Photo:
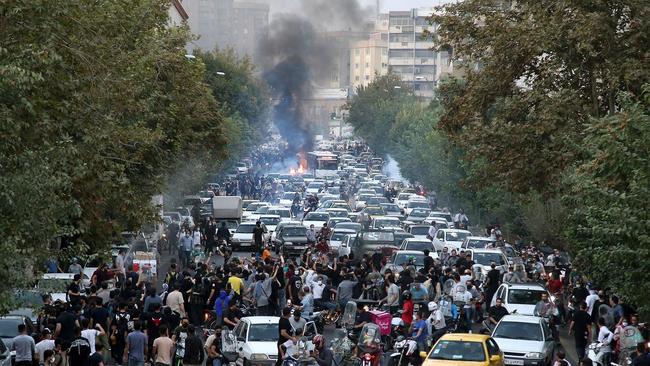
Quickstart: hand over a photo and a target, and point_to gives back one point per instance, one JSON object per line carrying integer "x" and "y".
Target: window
{"x": 367, "y": 64}
{"x": 367, "y": 51}
{"x": 367, "y": 77}
{"x": 356, "y": 78}
{"x": 493, "y": 347}
{"x": 356, "y": 52}
{"x": 356, "y": 65}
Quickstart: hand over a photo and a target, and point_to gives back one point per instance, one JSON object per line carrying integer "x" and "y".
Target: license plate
{"x": 244, "y": 244}
{"x": 511, "y": 361}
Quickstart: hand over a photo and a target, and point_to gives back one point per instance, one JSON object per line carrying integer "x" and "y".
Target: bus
{"x": 322, "y": 163}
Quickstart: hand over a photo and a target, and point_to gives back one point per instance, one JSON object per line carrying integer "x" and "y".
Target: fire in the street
{"x": 295, "y": 171}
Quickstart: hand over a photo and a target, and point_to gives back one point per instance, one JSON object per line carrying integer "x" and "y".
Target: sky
{"x": 283, "y": 6}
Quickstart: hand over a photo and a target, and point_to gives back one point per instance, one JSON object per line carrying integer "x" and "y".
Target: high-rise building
{"x": 409, "y": 54}
{"x": 368, "y": 59}
{"x": 338, "y": 75}
{"x": 228, "y": 24}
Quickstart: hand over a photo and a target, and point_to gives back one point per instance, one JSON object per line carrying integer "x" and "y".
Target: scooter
{"x": 406, "y": 353}
{"x": 595, "y": 353}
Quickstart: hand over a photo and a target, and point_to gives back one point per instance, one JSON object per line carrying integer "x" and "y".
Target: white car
{"x": 418, "y": 244}
{"x": 270, "y": 222}
{"x": 385, "y": 222}
{"x": 251, "y": 208}
{"x": 521, "y": 297}
{"x": 283, "y": 212}
{"x": 476, "y": 242}
{"x": 243, "y": 236}
{"x": 485, "y": 258}
{"x": 55, "y": 284}
{"x": 415, "y": 203}
{"x": 402, "y": 257}
{"x": 524, "y": 340}
{"x": 443, "y": 215}
{"x": 420, "y": 231}
{"x": 261, "y": 210}
{"x": 403, "y": 199}
{"x": 315, "y": 218}
{"x": 315, "y": 186}
{"x": 337, "y": 238}
{"x": 450, "y": 238}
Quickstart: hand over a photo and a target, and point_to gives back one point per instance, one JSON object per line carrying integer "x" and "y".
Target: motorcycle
{"x": 406, "y": 353}
{"x": 369, "y": 348}
{"x": 595, "y": 354}
{"x": 300, "y": 356}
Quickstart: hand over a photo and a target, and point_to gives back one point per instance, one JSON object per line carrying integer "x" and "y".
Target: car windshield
{"x": 516, "y": 330}
{"x": 263, "y": 333}
{"x": 526, "y": 297}
{"x": 458, "y": 351}
{"x": 419, "y": 245}
{"x": 477, "y": 244}
{"x": 289, "y": 195}
{"x": 294, "y": 231}
{"x": 386, "y": 223}
{"x": 403, "y": 196}
{"x": 254, "y": 206}
{"x": 485, "y": 259}
{"x": 349, "y": 225}
{"x": 9, "y": 327}
{"x": 53, "y": 285}
{"x": 378, "y": 236}
{"x": 373, "y": 211}
{"x": 419, "y": 212}
{"x": 246, "y": 229}
{"x": 341, "y": 205}
{"x": 335, "y": 213}
{"x": 262, "y": 210}
{"x": 377, "y": 200}
{"x": 418, "y": 204}
{"x": 456, "y": 236}
{"x": 281, "y": 213}
{"x": 338, "y": 236}
{"x": 231, "y": 224}
{"x": 314, "y": 216}
{"x": 270, "y": 220}
{"x": 315, "y": 185}
{"x": 402, "y": 258}
{"x": 420, "y": 230}
{"x": 364, "y": 197}
{"x": 390, "y": 207}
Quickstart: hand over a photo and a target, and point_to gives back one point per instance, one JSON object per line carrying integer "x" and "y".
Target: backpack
{"x": 170, "y": 278}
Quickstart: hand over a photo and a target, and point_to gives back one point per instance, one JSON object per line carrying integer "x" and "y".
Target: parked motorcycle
{"x": 406, "y": 353}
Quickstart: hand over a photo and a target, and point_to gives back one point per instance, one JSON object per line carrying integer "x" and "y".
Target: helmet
{"x": 433, "y": 306}
{"x": 406, "y": 295}
{"x": 318, "y": 341}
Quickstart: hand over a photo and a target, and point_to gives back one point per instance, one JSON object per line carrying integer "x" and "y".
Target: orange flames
{"x": 302, "y": 164}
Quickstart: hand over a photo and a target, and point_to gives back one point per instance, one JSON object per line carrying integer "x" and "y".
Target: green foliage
{"x": 97, "y": 104}
{"x": 545, "y": 69}
{"x": 609, "y": 197}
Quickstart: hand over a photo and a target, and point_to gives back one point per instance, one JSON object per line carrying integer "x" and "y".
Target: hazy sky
{"x": 284, "y": 6}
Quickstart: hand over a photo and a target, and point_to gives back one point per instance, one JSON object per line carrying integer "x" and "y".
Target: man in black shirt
{"x": 492, "y": 283}
{"x": 74, "y": 290}
{"x": 284, "y": 333}
{"x": 428, "y": 261}
{"x": 232, "y": 315}
{"x": 65, "y": 325}
{"x": 497, "y": 312}
{"x": 581, "y": 328}
{"x": 79, "y": 351}
{"x": 258, "y": 236}
{"x": 363, "y": 317}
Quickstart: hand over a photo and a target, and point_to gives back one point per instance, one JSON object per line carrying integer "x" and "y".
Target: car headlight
{"x": 259, "y": 357}
{"x": 533, "y": 355}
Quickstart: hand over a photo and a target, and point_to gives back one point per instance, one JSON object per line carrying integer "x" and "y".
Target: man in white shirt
{"x": 392, "y": 295}
{"x": 605, "y": 337}
{"x": 175, "y": 300}
{"x": 591, "y": 300}
{"x": 91, "y": 334}
{"x": 432, "y": 231}
{"x": 436, "y": 322}
{"x": 46, "y": 343}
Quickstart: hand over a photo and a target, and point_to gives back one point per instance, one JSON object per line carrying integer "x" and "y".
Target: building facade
{"x": 177, "y": 13}
{"x": 368, "y": 59}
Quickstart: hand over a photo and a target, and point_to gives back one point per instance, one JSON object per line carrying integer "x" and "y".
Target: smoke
{"x": 297, "y": 54}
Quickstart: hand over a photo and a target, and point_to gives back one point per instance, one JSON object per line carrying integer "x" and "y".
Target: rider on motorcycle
{"x": 322, "y": 354}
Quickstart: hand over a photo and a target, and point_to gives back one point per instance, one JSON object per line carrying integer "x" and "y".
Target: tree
{"x": 98, "y": 103}
{"x": 536, "y": 73}
{"x": 608, "y": 200}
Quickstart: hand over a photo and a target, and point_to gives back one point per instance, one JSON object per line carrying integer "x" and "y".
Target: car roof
{"x": 419, "y": 240}
{"x": 518, "y": 318}
{"x": 58, "y": 276}
{"x": 248, "y": 223}
{"x": 343, "y": 231}
{"x": 409, "y": 252}
{"x": 525, "y": 286}
{"x": 262, "y": 319}
{"x": 481, "y": 238}
{"x": 483, "y": 250}
{"x": 455, "y": 231}
{"x": 464, "y": 337}
{"x": 391, "y": 218}
{"x": 269, "y": 216}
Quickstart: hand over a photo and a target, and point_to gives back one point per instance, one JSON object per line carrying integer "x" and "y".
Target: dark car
{"x": 291, "y": 239}
{"x": 369, "y": 241}
{"x": 9, "y": 327}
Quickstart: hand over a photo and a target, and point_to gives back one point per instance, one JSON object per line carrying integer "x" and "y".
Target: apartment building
{"x": 368, "y": 59}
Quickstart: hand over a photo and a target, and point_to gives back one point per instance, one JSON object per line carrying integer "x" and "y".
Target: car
{"x": 373, "y": 211}
{"x": 29, "y": 303}
{"x": 255, "y": 340}
{"x": 5, "y": 356}
{"x": 485, "y": 258}
{"x": 417, "y": 215}
{"x": 56, "y": 285}
{"x": 315, "y": 218}
{"x": 87, "y": 275}
{"x": 400, "y": 235}
{"x": 415, "y": 203}
{"x": 342, "y": 205}
{"x": 331, "y": 204}
{"x": 346, "y": 245}
{"x": 283, "y": 212}
{"x": 206, "y": 196}
{"x": 176, "y": 216}
{"x": 281, "y": 225}
{"x": 287, "y": 199}
{"x": 270, "y": 222}
{"x": 9, "y": 328}
{"x": 402, "y": 257}
{"x": 243, "y": 236}
{"x": 460, "y": 349}
{"x": 521, "y": 297}
{"x": 355, "y": 226}
{"x": 443, "y": 214}
{"x": 418, "y": 244}
{"x": 361, "y": 199}
{"x": 419, "y": 231}
{"x": 385, "y": 222}
{"x": 252, "y": 209}
{"x": 440, "y": 222}
{"x": 392, "y": 209}
{"x": 450, "y": 238}
{"x": 333, "y": 221}
{"x": 376, "y": 200}
{"x": 403, "y": 199}
{"x": 337, "y": 237}
{"x": 478, "y": 242}
{"x": 525, "y": 340}
{"x": 292, "y": 239}
{"x": 315, "y": 186}
{"x": 337, "y": 212}
{"x": 261, "y": 210}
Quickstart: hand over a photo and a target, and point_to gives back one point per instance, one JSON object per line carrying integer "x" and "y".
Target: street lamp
{"x": 190, "y": 57}
{"x": 221, "y": 73}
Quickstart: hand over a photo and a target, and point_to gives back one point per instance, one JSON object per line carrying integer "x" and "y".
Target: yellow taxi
{"x": 462, "y": 349}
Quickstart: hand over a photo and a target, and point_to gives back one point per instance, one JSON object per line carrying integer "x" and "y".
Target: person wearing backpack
{"x": 155, "y": 320}
{"x": 119, "y": 332}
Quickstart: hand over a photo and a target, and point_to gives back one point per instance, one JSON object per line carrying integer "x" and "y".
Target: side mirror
{"x": 495, "y": 358}
{"x": 423, "y": 355}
